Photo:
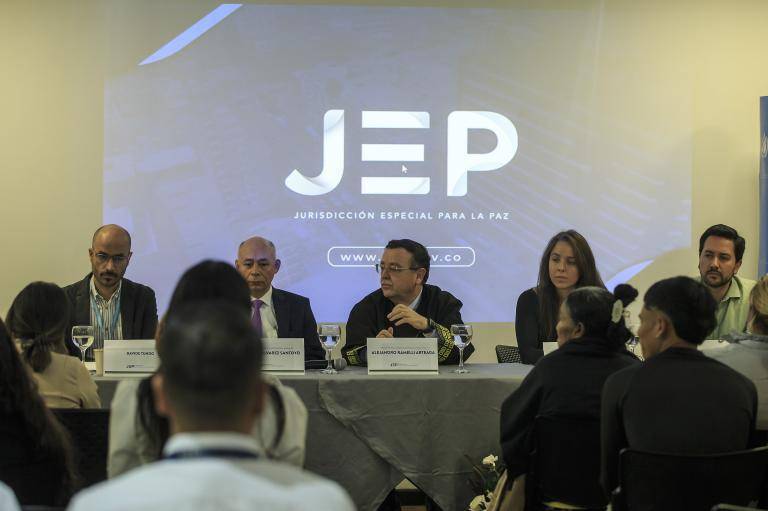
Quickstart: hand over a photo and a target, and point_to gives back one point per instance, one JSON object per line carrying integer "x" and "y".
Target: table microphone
{"x": 337, "y": 363}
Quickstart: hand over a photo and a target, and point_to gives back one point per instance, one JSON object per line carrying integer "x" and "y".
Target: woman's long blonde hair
{"x": 758, "y": 302}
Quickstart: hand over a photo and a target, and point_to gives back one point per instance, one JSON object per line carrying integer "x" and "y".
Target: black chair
{"x": 89, "y": 431}
{"x": 508, "y": 354}
{"x": 565, "y": 465}
{"x": 659, "y": 482}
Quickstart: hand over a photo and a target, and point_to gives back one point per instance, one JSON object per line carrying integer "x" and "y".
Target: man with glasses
{"x": 404, "y": 306}
{"x": 116, "y": 307}
{"x": 275, "y": 313}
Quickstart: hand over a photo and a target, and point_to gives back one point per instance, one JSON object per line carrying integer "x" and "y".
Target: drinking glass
{"x": 462, "y": 334}
{"x": 82, "y": 336}
{"x": 329, "y": 338}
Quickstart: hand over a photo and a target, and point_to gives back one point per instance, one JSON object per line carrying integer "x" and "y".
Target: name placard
{"x": 130, "y": 356}
{"x": 283, "y": 356}
{"x": 402, "y": 356}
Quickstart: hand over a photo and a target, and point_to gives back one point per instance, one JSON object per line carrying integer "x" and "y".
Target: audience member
{"x": 37, "y": 320}
{"x": 591, "y": 335}
{"x": 748, "y": 353}
{"x": 404, "y": 306}
{"x": 720, "y": 253}
{"x": 567, "y": 264}
{"x": 35, "y": 453}
{"x": 276, "y": 313}
{"x": 679, "y": 401}
{"x": 137, "y": 433}
{"x": 209, "y": 388}
{"x": 116, "y": 307}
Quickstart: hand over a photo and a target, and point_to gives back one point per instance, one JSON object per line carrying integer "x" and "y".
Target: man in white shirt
{"x": 209, "y": 387}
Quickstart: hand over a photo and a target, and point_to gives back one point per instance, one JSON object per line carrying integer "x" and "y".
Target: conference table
{"x": 368, "y": 433}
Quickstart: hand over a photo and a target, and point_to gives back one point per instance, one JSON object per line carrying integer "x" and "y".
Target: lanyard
{"x": 100, "y": 320}
{"x": 212, "y": 453}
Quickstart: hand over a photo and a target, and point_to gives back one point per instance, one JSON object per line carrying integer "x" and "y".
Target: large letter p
{"x": 460, "y": 161}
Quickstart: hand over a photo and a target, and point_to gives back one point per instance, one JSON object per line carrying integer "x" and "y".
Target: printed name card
{"x": 402, "y": 356}
{"x": 283, "y": 356}
{"x": 130, "y": 356}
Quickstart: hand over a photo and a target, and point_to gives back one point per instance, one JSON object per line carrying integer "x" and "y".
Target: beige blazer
{"x": 66, "y": 383}
{"x": 131, "y": 447}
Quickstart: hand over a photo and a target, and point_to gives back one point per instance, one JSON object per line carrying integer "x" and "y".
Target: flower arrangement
{"x": 483, "y": 481}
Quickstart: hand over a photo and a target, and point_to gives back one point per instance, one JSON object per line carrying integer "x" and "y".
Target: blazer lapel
{"x": 82, "y": 303}
{"x": 282, "y": 312}
{"x": 127, "y": 308}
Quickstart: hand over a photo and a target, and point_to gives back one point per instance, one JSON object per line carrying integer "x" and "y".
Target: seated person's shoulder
{"x": 294, "y": 297}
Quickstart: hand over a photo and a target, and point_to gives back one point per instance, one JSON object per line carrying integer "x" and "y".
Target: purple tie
{"x": 256, "y": 317}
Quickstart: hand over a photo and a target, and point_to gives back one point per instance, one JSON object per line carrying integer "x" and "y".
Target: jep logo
{"x": 460, "y": 161}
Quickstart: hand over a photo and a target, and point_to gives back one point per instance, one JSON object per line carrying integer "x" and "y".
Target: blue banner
{"x": 762, "y": 265}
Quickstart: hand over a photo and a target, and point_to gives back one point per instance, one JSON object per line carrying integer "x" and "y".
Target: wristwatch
{"x": 430, "y": 326}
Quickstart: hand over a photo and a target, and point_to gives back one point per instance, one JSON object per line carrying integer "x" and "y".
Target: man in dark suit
{"x": 116, "y": 307}
{"x": 276, "y": 313}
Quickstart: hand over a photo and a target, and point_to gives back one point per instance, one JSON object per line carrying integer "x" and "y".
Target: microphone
{"x": 337, "y": 363}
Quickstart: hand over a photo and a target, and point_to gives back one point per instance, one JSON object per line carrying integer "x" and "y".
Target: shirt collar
{"x": 184, "y": 442}
{"x": 95, "y": 293}
{"x": 416, "y": 301}
{"x": 266, "y": 298}
{"x": 734, "y": 291}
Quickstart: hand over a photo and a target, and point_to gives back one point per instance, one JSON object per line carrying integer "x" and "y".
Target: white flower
{"x": 490, "y": 461}
{"x": 477, "y": 504}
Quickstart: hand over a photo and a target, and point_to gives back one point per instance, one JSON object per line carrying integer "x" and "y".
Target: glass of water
{"x": 462, "y": 334}
{"x": 82, "y": 336}
{"x": 329, "y": 338}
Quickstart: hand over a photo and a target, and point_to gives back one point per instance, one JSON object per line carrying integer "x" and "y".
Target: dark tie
{"x": 256, "y": 317}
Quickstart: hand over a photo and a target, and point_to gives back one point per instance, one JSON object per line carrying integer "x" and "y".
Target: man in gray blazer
{"x": 116, "y": 307}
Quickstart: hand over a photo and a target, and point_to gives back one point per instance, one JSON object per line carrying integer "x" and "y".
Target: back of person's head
{"x": 594, "y": 308}
{"x": 727, "y": 232}
{"x": 211, "y": 360}
{"x": 205, "y": 281}
{"x": 210, "y": 280}
{"x": 417, "y": 251}
{"x": 758, "y": 301}
{"x": 20, "y": 401}
{"x": 38, "y": 319}
{"x": 687, "y": 303}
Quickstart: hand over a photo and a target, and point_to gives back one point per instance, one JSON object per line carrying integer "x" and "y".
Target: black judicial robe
{"x": 569, "y": 382}
{"x": 369, "y": 317}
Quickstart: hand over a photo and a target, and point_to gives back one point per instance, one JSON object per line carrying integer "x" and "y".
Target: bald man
{"x": 280, "y": 313}
{"x": 116, "y": 307}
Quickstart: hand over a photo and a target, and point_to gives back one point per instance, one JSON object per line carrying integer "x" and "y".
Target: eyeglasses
{"x": 392, "y": 268}
{"x": 103, "y": 258}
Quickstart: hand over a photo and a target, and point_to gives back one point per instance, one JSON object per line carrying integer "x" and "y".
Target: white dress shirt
{"x": 268, "y": 317}
{"x": 214, "y": 483}
{"x": 8, "y": 500}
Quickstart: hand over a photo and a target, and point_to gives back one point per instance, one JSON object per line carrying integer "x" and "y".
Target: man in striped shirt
{"x": 116, "y": 307}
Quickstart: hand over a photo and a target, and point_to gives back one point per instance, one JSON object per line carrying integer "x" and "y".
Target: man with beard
{"x": 720, "y": 252}
{"x": 116, "y": 307}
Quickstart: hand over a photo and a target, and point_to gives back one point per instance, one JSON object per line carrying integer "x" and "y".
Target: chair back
{"x": 508, "y": 354}
{"x": 89, "y": 431}
{"x": 565, "y": 465}
{"x": 656, "y": 481}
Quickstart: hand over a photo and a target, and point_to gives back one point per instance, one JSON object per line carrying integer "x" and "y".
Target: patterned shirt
{"x": 105, "y": 317}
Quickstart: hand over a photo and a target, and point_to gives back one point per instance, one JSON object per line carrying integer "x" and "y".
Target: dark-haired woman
{"x": 35, "y": 457}
{"x": 137, "y": 433}
{"x": 567, "y": 264}
{"x": 591, "y": 334}
{"x": 37, "y": 321}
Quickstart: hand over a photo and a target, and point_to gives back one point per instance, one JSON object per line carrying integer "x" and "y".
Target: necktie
{"x": 256, "y": 317}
